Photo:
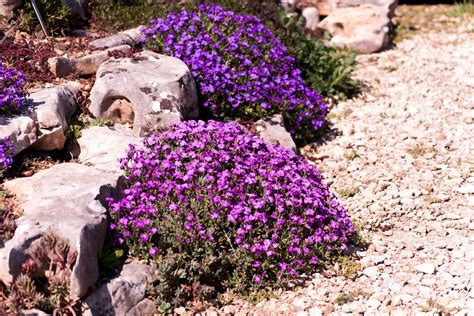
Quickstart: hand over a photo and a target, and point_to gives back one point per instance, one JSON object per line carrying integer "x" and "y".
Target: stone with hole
{"x": 159, "y": 89}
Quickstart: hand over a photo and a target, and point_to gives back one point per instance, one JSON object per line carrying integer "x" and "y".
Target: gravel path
{"x": 403, "y": 164}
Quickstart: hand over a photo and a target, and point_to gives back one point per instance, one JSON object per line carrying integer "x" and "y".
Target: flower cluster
{"x": 12, "y": 91}
{"x": 214, "y": 187}
{"x": 6, "y": 154}
{"x": 242, "y": 69}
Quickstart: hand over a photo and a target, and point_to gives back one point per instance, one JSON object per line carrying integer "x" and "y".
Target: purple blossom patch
{"x": 6, "y": 154}
{"x": 216, "y": 186}
{"x": 12, "y": 91}
{"x": 241, "y": 68}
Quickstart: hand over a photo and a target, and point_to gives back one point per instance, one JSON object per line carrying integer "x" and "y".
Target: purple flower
{"x": 7, "y": 149}
{"x": 236, "y": 205}
{"x": 240, "y": 66}
{"x": 12, "y": 90}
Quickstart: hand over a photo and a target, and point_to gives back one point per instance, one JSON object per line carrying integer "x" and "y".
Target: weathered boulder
{"x": 363, "y": 29}
{"x": 129, "y": 37}
{"x": 160, "y": 89}
{"x": 326, "y": 7}
{"x": 358, "y": 25}
{"x": 67, "y": 199}
{"x": 273, "y": 131}
{"x": 123, "y": 294}
{"x": 52, "y": 107}
{"x": 43, "y": 123}
{"x": 101, "y": 147}
{"x": 311, "y": 16}
{"x": 87, "y": 65}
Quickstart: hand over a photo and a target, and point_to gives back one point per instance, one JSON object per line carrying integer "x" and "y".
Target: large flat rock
{"x": 101, "y": 147}
{"x": 68, "y": 199}
{"x": 363, "y": 29}
{"x": 44, "y": 121}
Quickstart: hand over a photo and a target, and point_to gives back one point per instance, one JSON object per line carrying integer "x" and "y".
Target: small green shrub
{"x": 324, "y": 68}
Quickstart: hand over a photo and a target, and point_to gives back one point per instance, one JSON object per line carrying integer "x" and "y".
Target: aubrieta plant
{"x": 214, "y": 193}
{"x": 242, "y": 69}
{"x": 6, "y": 154}
{"x": 12, "y": 91}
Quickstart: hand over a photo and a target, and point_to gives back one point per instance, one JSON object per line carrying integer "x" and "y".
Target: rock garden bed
{"x": 228, "y": 162}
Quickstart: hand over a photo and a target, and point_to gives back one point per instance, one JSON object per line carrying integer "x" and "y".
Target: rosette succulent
{"x": 213, "y": 190}
{"x": 241, "y": 68}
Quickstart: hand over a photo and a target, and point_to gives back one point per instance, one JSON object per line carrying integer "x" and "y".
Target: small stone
{"x": 467, "y": 189}
{"x": 373, "y": 303}
{"x": 457, "y": 269}
{"x": 316, "y": 311}
{"x": 371, "y": 272}
{"x": 427, "y": 268}
{"x": 229, "y": 310}
{"x": 406, "y": 254}
{"x": 299, "y": 302}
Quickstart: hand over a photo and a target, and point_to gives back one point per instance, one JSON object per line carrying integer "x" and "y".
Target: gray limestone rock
{"x": 44, "y": 121}
{"x": 101, "y": 147}
{"x": 273, "y": 131}
{"x": 69, "y": 200}
{"x": 123, "y": 294}
{"x": 160, "y": 88}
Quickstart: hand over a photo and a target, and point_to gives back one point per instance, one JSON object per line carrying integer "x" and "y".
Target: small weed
{"x": 344, "y": 298}
{"x": 81, "y": 121}
{"x": 390, "y": 68}
{"x": 461, "y": 9}
{"x": 432, "y": 199}
{"x": 347, "y": 267}
{"x": 260, "y": 295}
{"x": 351, "y": 155}
{"x": 433, "y": 306}
{"x": 419, "y": 150}
{"x": 348, "y": 192}
{"x": 402, "y": 32}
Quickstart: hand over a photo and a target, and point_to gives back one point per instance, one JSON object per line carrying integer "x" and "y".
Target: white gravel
{"x": 405, "y": 150}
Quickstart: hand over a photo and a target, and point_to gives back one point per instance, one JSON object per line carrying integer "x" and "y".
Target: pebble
{"x": 428, "y": 268}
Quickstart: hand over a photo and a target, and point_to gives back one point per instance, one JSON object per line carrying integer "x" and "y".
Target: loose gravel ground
{"x": 402, "y": 161}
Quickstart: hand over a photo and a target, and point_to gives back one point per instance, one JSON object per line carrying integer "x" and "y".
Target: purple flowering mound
{"x": 12, "y": 91}
{"x": 241, "y": 68}
{"x": 212, "y": 196}
{"x": 6, "y": 154}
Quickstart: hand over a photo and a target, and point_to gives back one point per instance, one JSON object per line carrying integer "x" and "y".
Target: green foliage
{"x": 81, "y": 121}
{"x": 461, "y": 9}
{"x": 110, "y": 258}
{"x": 325, "y": 68}
{"x": 344, "y": 298}
{"x": 56, "y": 14}
{"x": 185, "y": 280}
